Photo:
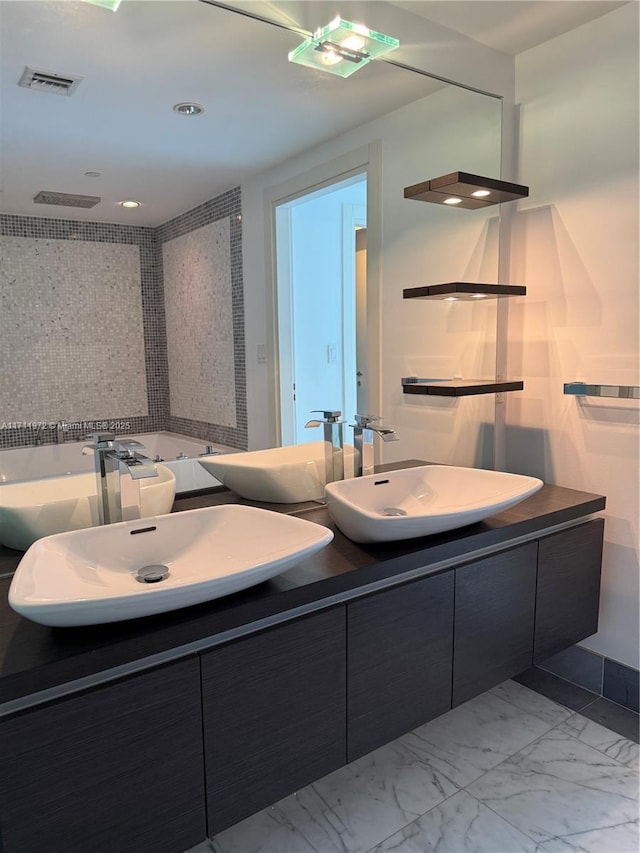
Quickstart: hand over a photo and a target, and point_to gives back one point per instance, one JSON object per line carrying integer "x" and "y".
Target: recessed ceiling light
{"x": 481, "y": 193}
{"x": 93, "y": 174}
{"x": 129, "y": 203}
{"x": 188, "y": 109}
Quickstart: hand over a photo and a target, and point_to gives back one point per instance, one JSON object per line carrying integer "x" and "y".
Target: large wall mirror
{"x": 124, "y": 316}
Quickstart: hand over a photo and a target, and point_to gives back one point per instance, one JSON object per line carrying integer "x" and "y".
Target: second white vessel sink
{"x": 423, "y": 500}
{"x": 290, "y": 474}
{"x": 151, "y": 565}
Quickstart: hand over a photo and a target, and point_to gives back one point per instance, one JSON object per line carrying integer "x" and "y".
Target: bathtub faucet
{"x": 118, "y": 497}
{"x": 363, "y": 432}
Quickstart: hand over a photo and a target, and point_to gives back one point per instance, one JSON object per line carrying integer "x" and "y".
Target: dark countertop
{"x": 35, "y": 658}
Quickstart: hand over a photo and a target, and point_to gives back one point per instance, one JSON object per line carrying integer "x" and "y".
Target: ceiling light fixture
{"x": 471, "y": 191}
{"x": 342, "y": 47}
{"x": 188, "y": 109}
{"x": 106, "y": 4}
{"x": 130, "y": 203}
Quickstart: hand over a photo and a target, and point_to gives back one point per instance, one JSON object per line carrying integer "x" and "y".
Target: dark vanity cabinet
{"x": 494, "y": 616}
{"x": 115, "y": 768}
{"x": 155, "y": 762}
{"x": 399, "y": 646}
{"x": 274, "y": 714}
{"x": 568, "y": 595}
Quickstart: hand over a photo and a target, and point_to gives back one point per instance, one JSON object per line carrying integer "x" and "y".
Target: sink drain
{"x": 152, "y": 574}
{"x": 394, "y": 510}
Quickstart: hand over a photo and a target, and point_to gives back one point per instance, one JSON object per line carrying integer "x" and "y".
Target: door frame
{"x": 364, "y": 160}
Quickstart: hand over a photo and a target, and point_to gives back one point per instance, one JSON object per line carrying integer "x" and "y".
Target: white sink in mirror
{"x": 421, "y": 501}
{"x": 137, "y": 568}
{"x": 32, "y": 509}
{"x": 289, "y": 474}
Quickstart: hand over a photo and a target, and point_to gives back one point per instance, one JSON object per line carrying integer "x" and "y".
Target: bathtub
{"x": 52, "y": 488}
{"x": 179, "y": 453}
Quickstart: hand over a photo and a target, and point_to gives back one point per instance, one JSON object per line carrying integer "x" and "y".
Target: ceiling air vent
{"x": 66, "y": 199}
{"x": 49, "y": 81}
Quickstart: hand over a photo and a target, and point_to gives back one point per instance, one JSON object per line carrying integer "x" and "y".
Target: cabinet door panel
{"x": 494, "y": 613}
{"x": 274, "y": 714}
{"x": 569, "y": 566}
{"x": 399, "y": 661}
{"x": 117, "y": 768}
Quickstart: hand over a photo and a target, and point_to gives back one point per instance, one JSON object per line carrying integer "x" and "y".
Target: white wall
{"x": 575, "y": 247}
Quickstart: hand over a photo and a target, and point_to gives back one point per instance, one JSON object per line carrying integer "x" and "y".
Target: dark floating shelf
{"x": 458, "y": 387}
{"x": 461, "y": 186}
{"x": 463, "y": 290}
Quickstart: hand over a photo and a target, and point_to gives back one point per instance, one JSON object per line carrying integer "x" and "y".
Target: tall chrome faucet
{"x": 333, "y": 443}
{"x": 114, "y": 458}
{"x": 363, "y": 432}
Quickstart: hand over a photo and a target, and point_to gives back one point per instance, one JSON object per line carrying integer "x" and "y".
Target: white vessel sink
{"x": 279, "y": 475}
{"x": 421, "y": 501}
{"x": 87, "y": 577}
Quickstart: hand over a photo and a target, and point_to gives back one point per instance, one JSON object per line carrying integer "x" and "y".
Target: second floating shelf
{"x": 458, "y": 387}
{"x": 463, "y": 290}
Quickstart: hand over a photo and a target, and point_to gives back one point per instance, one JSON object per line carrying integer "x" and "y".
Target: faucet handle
{"x": 329, "y": 416}
{"x": 127, "y": 446}
{"x": 365, "y": 420}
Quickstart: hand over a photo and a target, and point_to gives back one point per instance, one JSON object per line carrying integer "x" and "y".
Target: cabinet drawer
{"x": 494, "y": 615}
{"x": 118, "y": 768}
{"x": 568, "y": 597}
{"x": 399, "y": 661}
{"x": 274, "y": 707}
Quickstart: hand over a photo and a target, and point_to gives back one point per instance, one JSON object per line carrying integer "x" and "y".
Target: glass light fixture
{"x": 106, "y": 4}
{"x": 342, "y": 47}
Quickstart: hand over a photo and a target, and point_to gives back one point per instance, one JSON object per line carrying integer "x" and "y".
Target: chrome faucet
{"x": 363, "y": 432}
{"x": 333, "y": 443}
{"x": 114, "y": 458}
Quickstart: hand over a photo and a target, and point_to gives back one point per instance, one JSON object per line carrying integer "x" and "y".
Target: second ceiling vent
{"x": 49, "y": 81}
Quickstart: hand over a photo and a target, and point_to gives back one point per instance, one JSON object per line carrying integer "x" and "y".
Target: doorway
{"x": 321, "y": 304}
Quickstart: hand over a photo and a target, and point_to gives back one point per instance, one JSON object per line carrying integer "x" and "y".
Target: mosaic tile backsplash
{"x": 72, "y": 330}
{"x": 199, "y": 323}
{"x": 82, "y": 317}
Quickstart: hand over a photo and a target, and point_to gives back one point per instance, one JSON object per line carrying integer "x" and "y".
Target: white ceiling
{"x": 510, "y": 26}
{"x": 151, "y": 54}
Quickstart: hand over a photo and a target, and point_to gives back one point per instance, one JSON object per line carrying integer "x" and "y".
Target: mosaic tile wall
{"x": 79, "y": 343}
{"x": 227, "y": 374}
{"x": 197, "y": 298}
{"x": 205, "y": 275}
{"x": 70, "y": 309}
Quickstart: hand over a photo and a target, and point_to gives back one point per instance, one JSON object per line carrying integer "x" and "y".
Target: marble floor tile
{"x": 587, "y": 731}
{"x": 459, "y": 824}
{"x": 559, "y": 786}
{"x": 475, "y": 737}
{"x": 622, "y": 838}
{"x": 348, "y": 811}
{"x": 531, "y": 702}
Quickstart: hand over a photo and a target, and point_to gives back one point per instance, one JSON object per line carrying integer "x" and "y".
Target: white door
{"x": 318, "y": 350}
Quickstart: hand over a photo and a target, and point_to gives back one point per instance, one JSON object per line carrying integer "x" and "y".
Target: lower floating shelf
{"x": 458, "y": 387}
